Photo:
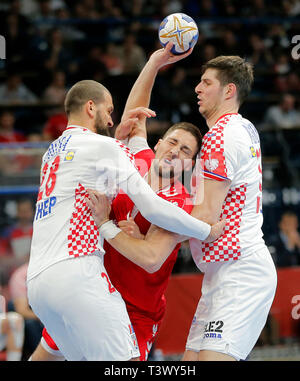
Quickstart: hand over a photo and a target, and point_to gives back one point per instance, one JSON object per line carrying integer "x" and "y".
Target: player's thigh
{"x": 206, "y": 356}
{"x": 83, "y": 313}
{"x": 235, "y": 302}
{"x": 190, "y": 356}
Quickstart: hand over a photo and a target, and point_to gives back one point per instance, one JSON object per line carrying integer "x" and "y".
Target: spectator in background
{"x": 57, "y": 120}
{"x": 70, "y": 32}
{"x": 44, "y": 13}
{"x": 230, "y": 45}
{"x": 19, "y": 304}
{"x": 55, "y": 126}
{"x": 176, "y": 97}
{"x": 17, "y": 238}
{"x": 289, "y": 83}
{"x": 287, "y": 242}
{"x": 55, "y": 92}
{"x": 17, "y": 30}
{"x": 283, "y": 115}
{"x": 132, "y": 55}
{"x": 57, "y": 56}
{"x": 8, "y": 134}
{"x": 92, "y": 65}
{"x": 14, "y": 91}
{"x": 111, "y": 60}
{"x": 11, "y": 332}
{"x": 259, "y": 55}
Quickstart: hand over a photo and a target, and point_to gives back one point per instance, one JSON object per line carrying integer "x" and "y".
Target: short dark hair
{"x": 233, "y": 69}
{"x": 82, "y": 92}
{"x": 189, "y": 127}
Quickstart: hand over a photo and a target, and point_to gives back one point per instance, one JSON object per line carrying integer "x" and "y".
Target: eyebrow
{"x": 183, "y": 147}
{"x": 206, "y": 80}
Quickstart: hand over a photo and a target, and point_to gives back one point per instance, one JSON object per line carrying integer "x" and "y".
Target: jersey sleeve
{"x": 143, "y": 160}
{"x": 218, "y": 156}
{"x": 138, "y": 144}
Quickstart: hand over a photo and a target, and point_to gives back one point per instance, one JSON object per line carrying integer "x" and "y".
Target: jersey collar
{"x": 73, "y": 126}
{"x": 223, "y": 116}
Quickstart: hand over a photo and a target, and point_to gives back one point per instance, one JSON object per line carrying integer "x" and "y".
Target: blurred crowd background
{"x": 51, "y": 44}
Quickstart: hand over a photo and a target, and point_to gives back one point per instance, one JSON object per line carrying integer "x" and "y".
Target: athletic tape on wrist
{"x": 109, "y": 230}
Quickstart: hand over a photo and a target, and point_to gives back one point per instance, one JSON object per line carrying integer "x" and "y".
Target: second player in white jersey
{"x": 231, "y": 151}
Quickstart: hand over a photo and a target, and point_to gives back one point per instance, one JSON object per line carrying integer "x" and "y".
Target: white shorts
{"x": 83, "y": 313}
{"x": 234, "y": 305}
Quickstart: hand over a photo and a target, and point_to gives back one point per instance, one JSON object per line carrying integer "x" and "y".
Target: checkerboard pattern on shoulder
{"x": 127, "y": 151}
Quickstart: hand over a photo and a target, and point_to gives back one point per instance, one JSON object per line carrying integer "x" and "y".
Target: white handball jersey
{"x": 231, "y": 151}
{"x": 63, "y": 226}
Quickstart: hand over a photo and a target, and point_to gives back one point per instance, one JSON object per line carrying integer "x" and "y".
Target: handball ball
{"x": 179, "y": 29}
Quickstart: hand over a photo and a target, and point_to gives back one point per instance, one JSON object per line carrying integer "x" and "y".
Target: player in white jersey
{"x": 68, "y": 287}
{"x": 239, "y": 275}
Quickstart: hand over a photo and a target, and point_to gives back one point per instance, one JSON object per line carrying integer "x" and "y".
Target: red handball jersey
{"x": 142, "y": 291}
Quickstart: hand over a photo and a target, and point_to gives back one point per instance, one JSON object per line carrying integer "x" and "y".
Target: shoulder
{"x": 240, "y": 131}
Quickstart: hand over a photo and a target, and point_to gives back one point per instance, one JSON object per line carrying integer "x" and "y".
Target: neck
{"x": 211, "y": 119}
{"x": 80, "y": 122}
{"x": 156, "y": 182}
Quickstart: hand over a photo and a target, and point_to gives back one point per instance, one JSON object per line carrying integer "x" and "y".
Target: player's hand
{"x": 133, "y": 120}
{"x": 99, "y": 205}
{"x": 216, "y": 231}
{"x": 130, "y": 227}
{"x": 164, "y": 56}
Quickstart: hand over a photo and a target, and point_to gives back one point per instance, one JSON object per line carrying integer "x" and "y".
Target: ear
{"x": 90, "y": 108}
{"x": 230, "y": 90}
{"x": 157, "y": 145}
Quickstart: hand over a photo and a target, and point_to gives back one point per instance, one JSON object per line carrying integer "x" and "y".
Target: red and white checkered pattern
{"x": 227, "y": 247}
{"x": 213, "y": 148}
{"x": 83, "y": 233}
{"x": 127, "y": 151}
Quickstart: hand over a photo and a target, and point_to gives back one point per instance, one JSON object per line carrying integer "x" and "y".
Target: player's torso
{"x": 231, "y": 150}
{"x": 139, "y": 289}
{"x": 63, "y": 226}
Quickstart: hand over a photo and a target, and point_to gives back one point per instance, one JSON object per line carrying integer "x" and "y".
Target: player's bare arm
{"x": 210, "y": 207}
{"x": 140, "y": 93}
{"x": 152, "y": 251}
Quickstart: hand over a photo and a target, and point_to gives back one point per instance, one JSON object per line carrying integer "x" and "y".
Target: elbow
{"x": 153, "y": 263}
{"x": 151, "y": 269}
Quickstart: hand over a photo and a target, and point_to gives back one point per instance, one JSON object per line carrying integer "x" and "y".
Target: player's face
{"x": 210, "y": 93}
{"x": 103, "y": 120}
{"x": 174, "y": 153}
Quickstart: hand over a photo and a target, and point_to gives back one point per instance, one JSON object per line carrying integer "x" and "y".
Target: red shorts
{"x": 145, "y": 329}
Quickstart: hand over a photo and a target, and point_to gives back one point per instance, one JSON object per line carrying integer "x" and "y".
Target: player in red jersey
{"x": 143, "y": 289}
